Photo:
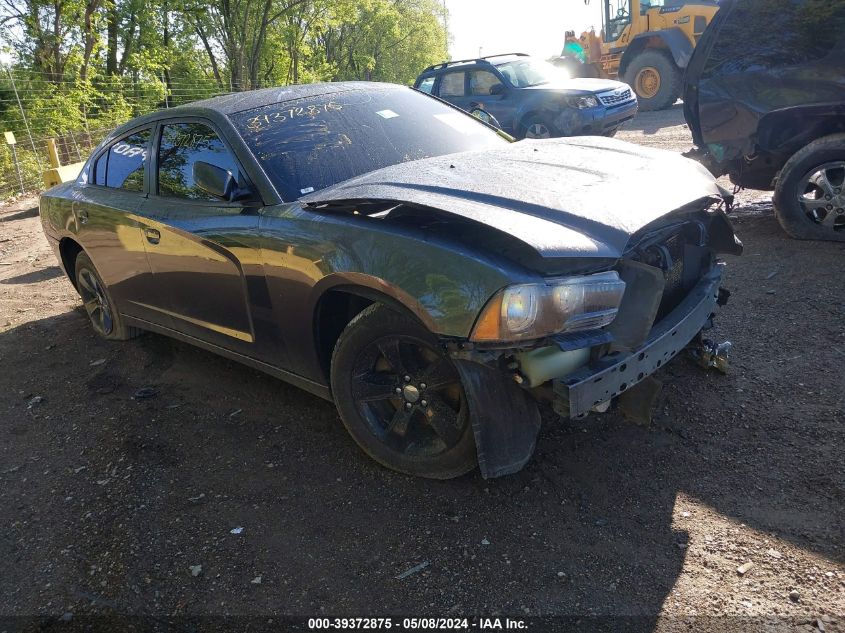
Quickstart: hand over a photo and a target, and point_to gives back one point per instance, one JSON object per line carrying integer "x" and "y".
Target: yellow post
{"x": 53, "y": 151}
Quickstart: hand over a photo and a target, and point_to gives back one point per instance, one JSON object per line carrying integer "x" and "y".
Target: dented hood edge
{"x": 563, "y": 198}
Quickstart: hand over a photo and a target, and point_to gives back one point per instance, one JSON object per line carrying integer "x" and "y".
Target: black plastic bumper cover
{"x": 505, "y": 419}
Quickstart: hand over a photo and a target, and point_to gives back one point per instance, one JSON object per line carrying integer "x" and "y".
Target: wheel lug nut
{"x": 408, "y": 405}
{"x": 423, "y": 403}
{"x": 422, "y": 385}
{"x": 407, "y": 379}
{"x": 398, "y": 390}
{"x": 828, "y": 197}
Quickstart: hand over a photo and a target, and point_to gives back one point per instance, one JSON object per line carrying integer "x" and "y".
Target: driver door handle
{"x": 152, "y": 235}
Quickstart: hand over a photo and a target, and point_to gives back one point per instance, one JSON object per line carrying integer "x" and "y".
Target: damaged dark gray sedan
{"x": 386, "y": 251}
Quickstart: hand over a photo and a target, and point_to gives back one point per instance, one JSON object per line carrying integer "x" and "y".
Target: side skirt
{"x": 310, "y": 386}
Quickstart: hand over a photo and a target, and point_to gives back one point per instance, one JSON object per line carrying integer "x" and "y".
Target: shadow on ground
{"x": 19, "y": 215}
{"x": 41, "y": 274}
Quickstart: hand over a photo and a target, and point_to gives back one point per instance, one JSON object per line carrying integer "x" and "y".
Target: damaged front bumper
{"x": 501, "y": 396}
{"x": 596, "y": 120}
{"x": 575, "y": 395}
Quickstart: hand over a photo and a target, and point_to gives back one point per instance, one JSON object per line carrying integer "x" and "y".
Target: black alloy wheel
{"x": 98, "y": 304}
{"x": 400, "y": 396}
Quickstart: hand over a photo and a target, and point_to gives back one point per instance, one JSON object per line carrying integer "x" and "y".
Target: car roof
{"x": 507, "y": 58}
{"x": 458, "y": 63}
{"x": 239, "y": 101}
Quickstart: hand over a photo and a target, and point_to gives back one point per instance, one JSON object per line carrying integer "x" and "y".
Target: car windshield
{"x": 315, "y": 142}
{"x": 525, "y": 72}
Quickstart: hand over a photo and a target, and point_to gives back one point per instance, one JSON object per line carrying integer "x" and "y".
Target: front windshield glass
{"x": 526, "y": 72}
{"x": 315, "y": 142}
{"x": 619, "y": 17}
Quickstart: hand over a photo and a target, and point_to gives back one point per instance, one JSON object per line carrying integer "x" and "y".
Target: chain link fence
{"x": 78, "y": 115}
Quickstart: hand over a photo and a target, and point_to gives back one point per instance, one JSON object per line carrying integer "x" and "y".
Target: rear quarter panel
{"x": 56, "y": 212}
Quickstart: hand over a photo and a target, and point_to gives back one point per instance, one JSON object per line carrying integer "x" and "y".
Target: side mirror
{"x": 215, "y": 180}
{"x": 497, "y": 89}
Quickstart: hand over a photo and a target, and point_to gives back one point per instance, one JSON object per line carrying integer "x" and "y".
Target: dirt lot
{"x": 108, "y": 500}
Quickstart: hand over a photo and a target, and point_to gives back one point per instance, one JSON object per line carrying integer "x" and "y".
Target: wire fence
{"x": 36, "y": 108}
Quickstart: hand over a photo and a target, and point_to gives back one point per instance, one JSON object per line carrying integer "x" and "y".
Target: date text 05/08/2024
{"x": 417, "y": 624}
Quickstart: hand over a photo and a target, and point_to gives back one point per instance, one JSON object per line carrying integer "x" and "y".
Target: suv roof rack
{"x": 473, "y": 59}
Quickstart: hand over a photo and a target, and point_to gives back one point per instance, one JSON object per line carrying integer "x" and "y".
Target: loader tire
{"x": 655, "y": 78}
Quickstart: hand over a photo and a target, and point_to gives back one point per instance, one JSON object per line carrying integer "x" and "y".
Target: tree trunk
{"x": 112, "y": 19}
{"x": 214, "y": 67}
{"x": 89, "y": 38}
{"x": 128, "y": 43}
{"x": 166, "y": 41}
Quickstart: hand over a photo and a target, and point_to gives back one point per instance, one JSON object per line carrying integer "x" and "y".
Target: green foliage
{"x": 85, "y": 66}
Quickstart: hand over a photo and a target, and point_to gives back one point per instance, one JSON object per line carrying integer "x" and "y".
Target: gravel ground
{"x": 115, "y": 504}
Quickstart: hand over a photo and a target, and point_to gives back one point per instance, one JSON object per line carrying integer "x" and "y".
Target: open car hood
{"x": 572, "y": 197}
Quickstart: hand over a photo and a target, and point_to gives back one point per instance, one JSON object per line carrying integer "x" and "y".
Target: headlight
{"x": 529, "y": 311}
{"x": 584, "y": 102}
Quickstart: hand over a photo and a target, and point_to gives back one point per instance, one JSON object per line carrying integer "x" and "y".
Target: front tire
{"x": 98, "y": 303}
{"x": 400, "y": 396}
{"x": 809, "y": 196}
{"x": 538, "y": 126}
{"x": 655, "y": 78}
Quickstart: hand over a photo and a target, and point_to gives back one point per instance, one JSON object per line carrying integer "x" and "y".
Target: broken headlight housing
{"x": 582, "y": 103}
{"x": 530, "y": 311}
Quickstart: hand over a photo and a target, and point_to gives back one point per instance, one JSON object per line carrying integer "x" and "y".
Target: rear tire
{"x": 98, "y": 303}
{"x": 655, "y": 78}
{"x": 419, "y": 425}
{"x": 800, "y": 198}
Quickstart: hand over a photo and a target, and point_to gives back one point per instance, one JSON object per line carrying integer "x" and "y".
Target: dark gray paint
{"x": 768, "y": 95}
{"x": 577, "y": 197}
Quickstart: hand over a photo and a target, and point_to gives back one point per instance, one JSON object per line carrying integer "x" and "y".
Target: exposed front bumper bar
{"x": 576, "y": 394}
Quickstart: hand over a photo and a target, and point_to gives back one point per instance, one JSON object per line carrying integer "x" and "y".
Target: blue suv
{"x": 531, "y": 98}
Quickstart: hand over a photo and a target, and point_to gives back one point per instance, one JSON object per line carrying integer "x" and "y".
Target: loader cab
{"x": 616, "y": 16}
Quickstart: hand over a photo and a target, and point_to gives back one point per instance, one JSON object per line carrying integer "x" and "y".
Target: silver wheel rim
{"x": 821, "y": 194}
{"x": 95, "y": 302}
{"x": 538, "y": 130}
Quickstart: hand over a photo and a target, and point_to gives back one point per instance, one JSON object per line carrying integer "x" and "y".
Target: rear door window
{"x": 123, "y": 165}
{"x": 453, "y": 84}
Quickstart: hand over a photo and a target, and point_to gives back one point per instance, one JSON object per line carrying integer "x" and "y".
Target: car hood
{"x": 572, "y": 197}
{"x": 580, "y": 85}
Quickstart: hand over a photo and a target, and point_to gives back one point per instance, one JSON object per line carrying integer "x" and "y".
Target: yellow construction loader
{"x": 645, "y": 43}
